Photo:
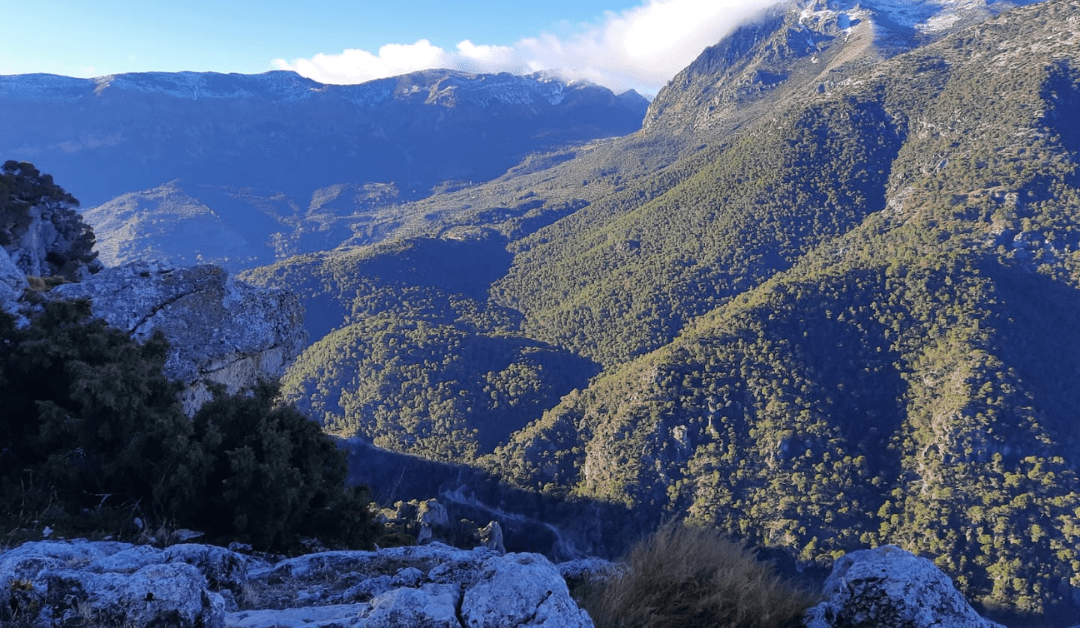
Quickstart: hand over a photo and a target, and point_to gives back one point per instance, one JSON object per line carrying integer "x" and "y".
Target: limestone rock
{"x": 432, "y": 586}
{"x": 220, "y": 330}
{"x": 521, "y": 590}
{"x": 587, "y": 569}
{"x": 430, "y": 606}
{"x": 12, "y": 282}
{"x": 491, "y": 536}
{"x": 891, "y": 588}
{"x": 55, "y": 241}
{"x": 54, "y": 584}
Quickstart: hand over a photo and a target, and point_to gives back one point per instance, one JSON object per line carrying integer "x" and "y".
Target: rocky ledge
{"x": 90, "y": 584}
{"x": 186, "y": 586}
{"x": 220, "y": 330}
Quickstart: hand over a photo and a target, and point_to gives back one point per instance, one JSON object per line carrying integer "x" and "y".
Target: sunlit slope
{"x": 911, "y": 380}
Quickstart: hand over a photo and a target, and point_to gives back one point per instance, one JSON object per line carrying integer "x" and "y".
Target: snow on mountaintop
{"x": 278, "y": 86}
{"x": 442, "y": 87}
{"x": 44, "y": 87}
{"x": 923, "y": 16}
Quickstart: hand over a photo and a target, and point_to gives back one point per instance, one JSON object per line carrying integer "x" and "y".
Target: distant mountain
{"x": 832, "y": 286}
{"x": 274, "y": 164}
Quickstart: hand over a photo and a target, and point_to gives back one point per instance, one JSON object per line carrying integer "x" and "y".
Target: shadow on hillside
{"x": 1041, "y": 339}
{"x": 561, "y": 529}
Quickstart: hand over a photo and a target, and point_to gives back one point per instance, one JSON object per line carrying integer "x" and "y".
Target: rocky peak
{"x": 893, "y": 588}
{"x": 803, "y": 43}
{"x": 220, "y": 331}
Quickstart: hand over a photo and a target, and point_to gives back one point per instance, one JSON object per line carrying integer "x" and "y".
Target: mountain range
{"x": 824, "y": 297}
{"x": 239, "y": 169}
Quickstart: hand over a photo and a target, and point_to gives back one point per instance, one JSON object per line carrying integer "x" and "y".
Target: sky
{"x": 621, "y": 44}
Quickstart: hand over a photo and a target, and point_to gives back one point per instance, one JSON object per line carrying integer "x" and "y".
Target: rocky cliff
{"x": 220, "y": 330}
{"x": 40, "y": 230}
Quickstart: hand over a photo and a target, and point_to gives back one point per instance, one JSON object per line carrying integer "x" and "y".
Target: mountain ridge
{"x": 836, "y": 310}
{"x": 845, "y": 286}
{"x": 288, "y": 86}
{"x": 268, "y": 155}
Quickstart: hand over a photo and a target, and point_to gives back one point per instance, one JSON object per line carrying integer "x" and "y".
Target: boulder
{"x": 430, "y": 606}
{"x": 888, "y": 587}
{"x": 521, "y": 590}
{"x": 220, "y": 330}
{"x": 56, "y": 583}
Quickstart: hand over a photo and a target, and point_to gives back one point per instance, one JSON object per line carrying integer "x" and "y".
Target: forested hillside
{"x": 840, "y": 310}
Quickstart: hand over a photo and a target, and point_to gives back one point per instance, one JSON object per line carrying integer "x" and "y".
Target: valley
{"x": 823, "y": 294}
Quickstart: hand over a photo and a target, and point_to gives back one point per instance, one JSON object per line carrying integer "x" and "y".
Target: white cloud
{"x": 640, "y": 48}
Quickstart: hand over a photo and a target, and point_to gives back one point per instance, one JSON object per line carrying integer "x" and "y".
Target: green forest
{"x": 828, "y": 298}
{"x": 845, "y": 314}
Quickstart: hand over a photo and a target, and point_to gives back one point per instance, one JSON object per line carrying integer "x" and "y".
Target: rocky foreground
{"x": 109, "y": 583}
{"x": 90, "y": 584}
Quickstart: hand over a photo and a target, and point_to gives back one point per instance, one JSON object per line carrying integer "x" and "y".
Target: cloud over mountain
{"x": 640, "y": 48}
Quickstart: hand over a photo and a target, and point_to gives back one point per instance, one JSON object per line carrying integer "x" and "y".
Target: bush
{"x": 691, "y": 576}
{"x": 274, "y": 475}
{"x": 88, "y": 419}
{"x": 91, "y": 431}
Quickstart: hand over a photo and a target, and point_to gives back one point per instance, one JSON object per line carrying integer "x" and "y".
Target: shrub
{"x": 88, "y": 419}
{"x": 91, "y": 431}
{"x": 274, "y": 475}
{"x": 691, "y": 576}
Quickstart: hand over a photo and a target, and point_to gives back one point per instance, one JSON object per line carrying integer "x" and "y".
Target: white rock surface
{"x": 51, "y": 584}
{"x": 220, "y": 330}
{"x": 56, "y": 584}
{"x": 12, "y": 282}
{"x": 888, "y": 587}
{"x": 53, "y": 229}
{"x": 521, "y": 590}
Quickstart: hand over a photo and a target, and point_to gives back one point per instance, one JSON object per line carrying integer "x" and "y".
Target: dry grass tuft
{"x": 690, "y": 576}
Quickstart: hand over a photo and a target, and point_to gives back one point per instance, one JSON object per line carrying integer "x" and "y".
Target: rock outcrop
{"x": 54, "y": 241}
{"x": 220, "y": 330}
{"x": 41, "y": 233}
{"x": 891, "y": 588}
{"x": 61, "y": 583}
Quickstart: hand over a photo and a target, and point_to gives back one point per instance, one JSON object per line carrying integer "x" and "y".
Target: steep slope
{"x": 418, "y": 360}
{"x": 838, "y": 309}
{"x": 907, "y": 380}
{"x": 775, "y": 177}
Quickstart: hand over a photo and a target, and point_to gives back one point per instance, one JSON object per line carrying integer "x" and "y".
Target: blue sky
{"x": 619, "y": 43}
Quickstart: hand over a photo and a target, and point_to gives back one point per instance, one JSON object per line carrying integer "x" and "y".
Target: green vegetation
{"x": 421, "y": 362}
{"x": 847, "y": 317}
{"x": 272, "y": 475}
{"x": 94, "y": 436}
{"x": 691, "y": 576}
{"x": 23, "y": 187}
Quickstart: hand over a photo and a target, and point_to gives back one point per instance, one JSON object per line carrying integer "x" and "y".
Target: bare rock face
{"x": 12, "y": 283}
{"x": 889, "y": 587}
{"x": 55, "y": 241}
{"x": 220, "y": 330}
{"x": 185, "y": 586}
